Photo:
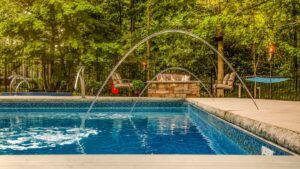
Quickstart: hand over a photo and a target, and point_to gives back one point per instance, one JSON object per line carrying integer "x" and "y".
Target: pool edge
{"x": 278, "y": 136}
{"x": 79, "y": 99}
{"x": 148, "y": 162}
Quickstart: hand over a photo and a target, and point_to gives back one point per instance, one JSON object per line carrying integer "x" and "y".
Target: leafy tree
{"x": 60, "y": 35}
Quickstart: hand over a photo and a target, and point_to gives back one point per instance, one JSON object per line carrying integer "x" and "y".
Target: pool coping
{"x": 248, "y": 132}
{"x": 80, "y": 99}
{"x": 273, "y": 134}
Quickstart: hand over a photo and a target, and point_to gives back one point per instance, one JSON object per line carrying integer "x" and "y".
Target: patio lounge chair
{"x": 118, "y": 82}
{"x": 228, "y": 82}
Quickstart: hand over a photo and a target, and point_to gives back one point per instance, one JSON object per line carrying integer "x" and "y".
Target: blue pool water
{"x": 153, "y": 128}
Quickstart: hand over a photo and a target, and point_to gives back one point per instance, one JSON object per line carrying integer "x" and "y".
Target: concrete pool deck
{"x": 148, "y": 162}
{"x": 283, "y": 116}
{"x": 275, "y": 121}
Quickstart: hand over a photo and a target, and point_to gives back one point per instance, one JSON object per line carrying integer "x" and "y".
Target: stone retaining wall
{"x": 174, "y": 89}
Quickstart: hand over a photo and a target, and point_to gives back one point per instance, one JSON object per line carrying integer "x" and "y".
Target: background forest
{"x": 48, "y": 40}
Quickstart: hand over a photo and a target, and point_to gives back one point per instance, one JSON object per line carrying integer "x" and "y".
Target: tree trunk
{"x": 120, "y": 15}
{"x": 149, "y": 2}
{"x": 82, "y": 83}
{"x": 50, "y": 78}
{"x": 220, "y": 76}
{"x": 51, "y": 56}
{"x": 295, "y": 39}
{"x": 5, "y": 74}
{"x": 45, "y": 86}
{"x": 254, "y": 67}
{"x": 132, "y": 24}
{"x": 62, "y": 74}
{"x": 254, "y": 59}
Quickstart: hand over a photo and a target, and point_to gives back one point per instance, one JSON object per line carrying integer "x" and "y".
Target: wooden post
{"x": 240, "y": 90}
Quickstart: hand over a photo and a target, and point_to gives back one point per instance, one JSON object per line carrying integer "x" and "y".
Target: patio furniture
{"x": 120, "y": 83}
{"x": 265, "y": 80}
{"x": 227, "y": 84}
{"x": 173, "y": 85}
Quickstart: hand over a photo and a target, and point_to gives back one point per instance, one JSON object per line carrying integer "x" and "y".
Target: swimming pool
{"x": 154, "y": 127}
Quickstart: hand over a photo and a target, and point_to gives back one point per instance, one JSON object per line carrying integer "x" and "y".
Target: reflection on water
{"x": 105, "y": 133}
{"x": 153, "y": 128}
{"x": 38, "y": 137}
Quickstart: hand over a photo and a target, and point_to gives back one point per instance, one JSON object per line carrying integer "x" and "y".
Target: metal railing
{"x": 95, "y": 74}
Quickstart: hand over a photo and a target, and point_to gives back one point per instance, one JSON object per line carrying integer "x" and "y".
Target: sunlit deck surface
{"x": 275, "y": 121}
{"x": 148, "y": 162}
{"x": 281, "y": 114}
{"x": 284, "y": 114}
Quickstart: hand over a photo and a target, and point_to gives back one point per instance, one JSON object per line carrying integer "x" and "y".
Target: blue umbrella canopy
{"x": 267, "y": 79}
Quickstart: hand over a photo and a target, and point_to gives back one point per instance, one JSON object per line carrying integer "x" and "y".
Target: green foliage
{"x": 138, "y": 85}
{"x": 63, "y": 34}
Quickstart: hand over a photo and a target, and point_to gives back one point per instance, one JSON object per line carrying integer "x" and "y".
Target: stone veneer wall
{"x": 174, "y": 89}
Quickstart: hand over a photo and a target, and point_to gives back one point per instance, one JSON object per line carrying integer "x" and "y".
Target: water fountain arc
{"x": 23, "y": 81}
{"x": 13, "y": 79}
{"x": 80, "y": 77}
{"x": 150, "y": 37}
{"x": 163, "y": 71}
{"x": 77, "y": 76}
